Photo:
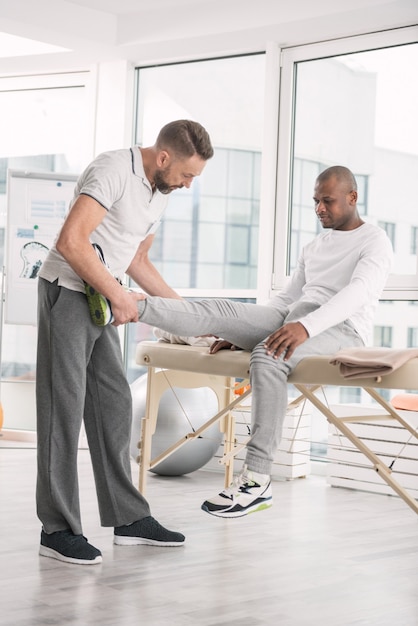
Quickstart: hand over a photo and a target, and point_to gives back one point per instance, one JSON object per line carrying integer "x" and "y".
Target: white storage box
{"x": 348, "y": 467}
{"x": 292, "y": 459}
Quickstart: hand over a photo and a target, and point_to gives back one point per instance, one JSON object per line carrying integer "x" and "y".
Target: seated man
{"x": 328, "y": 304}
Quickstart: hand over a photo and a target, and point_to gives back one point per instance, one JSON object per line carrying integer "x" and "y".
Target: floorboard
{"x": 320, "y": 555}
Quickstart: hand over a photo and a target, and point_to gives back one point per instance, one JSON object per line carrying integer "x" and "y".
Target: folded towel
{"x": 162, "y": 335}
{"x": 371, "y": 362}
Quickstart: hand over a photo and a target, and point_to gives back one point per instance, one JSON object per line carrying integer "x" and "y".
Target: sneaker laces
{"x": 239, "y": 481}
{"x": 72, "y": 539}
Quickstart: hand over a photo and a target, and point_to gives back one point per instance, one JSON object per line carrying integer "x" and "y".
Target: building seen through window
{"x": 209, "y": 234}
{"x": 412, "y": 340}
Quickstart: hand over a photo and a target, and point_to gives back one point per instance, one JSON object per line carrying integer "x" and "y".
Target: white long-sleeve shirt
{"x": 344, "y": 272}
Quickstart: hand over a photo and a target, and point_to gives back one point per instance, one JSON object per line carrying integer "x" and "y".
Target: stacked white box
{"x": 292, "y": 459}
{"x": 293, "y": 456}
{"x": 348, "y": 467}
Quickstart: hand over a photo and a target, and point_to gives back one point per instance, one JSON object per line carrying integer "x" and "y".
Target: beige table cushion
{"x": 315, "y": 370}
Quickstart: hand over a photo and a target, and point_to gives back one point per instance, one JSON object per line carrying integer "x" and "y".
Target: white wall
{"x": 110, "y": 45}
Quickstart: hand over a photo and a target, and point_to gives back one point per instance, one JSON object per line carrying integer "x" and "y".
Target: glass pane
{"x": 211, "y": 275}
{"x": 178, "y": 247}
{"x": 360, "y": 110}
{"x": 211, "y": 244}
{"x": 48, "y": 121}
{"x": 237, "y": 245}
{"x": 226, "y": 96}
{"x": 43, "y": 129}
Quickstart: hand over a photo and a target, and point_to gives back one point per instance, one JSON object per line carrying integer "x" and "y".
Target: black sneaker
{"x": 65, "y": 546}
{"x": 149, "y": 532}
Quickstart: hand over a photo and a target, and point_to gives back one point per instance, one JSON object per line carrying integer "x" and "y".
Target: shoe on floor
{"x": 99, "y": 306}
{"x": 248, "y": 493}
{"x": 63, "y": 545}
{"x": 147, "y": 531}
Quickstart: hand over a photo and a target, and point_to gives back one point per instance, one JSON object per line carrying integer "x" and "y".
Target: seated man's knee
{"x": 260, "y": 359}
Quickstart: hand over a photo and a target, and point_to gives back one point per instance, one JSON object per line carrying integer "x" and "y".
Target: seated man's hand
{"x": 286, "y": 339}
{"x": 221, "y": 344}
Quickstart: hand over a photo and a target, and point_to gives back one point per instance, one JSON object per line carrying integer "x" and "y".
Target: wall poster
{"x": 37, "y": 204}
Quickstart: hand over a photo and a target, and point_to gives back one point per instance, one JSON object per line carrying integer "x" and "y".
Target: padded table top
{"x": 173, "y": 356}
{"x": 314, "y": 370}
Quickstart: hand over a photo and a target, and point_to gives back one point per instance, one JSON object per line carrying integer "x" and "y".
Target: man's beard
{"x": 161, "y": 184}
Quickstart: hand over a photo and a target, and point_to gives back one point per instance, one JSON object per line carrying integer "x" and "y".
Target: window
{"x": 304, "y": 224}
{"x": 208, "y": 240}
{"x": 390, "y": 230}
{"x": 414, "y": 240}
{"x": 350, "y": 395}
{"x": 352, "y": 102}
{"x": 412, "y": 340}
{"x": 383, "y": 336}
{"x": 368, "y": 122}
{"x": 209, "y": 234}
{"x": 363, "y": 190}
{"x": 45, "y": 126}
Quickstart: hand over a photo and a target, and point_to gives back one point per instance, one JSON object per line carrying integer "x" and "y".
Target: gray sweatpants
{"x": 80, "y": 375}
{"x": 247, "y": 326}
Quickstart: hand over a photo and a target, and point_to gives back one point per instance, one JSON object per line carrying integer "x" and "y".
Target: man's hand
{"x": 221, "y": 344}
{"x": 286, "y": 339}
{"x": 125, "y": 308}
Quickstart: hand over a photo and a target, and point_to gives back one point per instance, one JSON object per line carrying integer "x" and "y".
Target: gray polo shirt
{"x": 117, "y": 181}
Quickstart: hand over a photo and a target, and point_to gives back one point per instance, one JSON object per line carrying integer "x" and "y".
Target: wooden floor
{"x": 320, "y": 555}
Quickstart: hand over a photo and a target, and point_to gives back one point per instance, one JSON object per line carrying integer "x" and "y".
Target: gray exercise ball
{"x": 181, "y": 411}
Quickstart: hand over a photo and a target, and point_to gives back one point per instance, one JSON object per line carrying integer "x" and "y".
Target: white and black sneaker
{"x": 248, "y": 493}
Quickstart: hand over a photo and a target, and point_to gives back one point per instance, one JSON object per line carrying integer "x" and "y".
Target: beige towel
{"x": 371, "y": 362}
{"x": 162, "y": 335}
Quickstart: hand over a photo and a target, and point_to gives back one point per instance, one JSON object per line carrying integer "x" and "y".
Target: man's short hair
{"x": 342, "y": 174}
{"x": 185, "y": 138}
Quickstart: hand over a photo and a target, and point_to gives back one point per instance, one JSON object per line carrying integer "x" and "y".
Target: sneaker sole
{"x": 240, "y": 513}
{"x": 53, "y": 554}
{"x": 120, "y": 540}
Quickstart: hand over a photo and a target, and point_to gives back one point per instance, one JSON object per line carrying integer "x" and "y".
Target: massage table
{"x": 176, "y": 365}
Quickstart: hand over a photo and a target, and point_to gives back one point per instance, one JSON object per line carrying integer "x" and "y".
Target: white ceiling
{"x": 134, "y": 6}
{"x": 148, "y": 31}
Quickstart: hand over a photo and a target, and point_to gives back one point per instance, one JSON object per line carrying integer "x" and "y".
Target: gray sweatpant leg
{"x": 247, "y": 326}
{"x": 80, "y": 375}
{"x": 268, "y": 378}
{"x": 241, "y": 323}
